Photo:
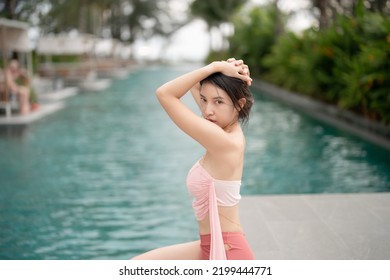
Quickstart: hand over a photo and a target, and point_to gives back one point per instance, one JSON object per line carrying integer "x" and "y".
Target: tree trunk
{"x": 278, "y": 24}
{"x": 9, "y": 8}
{"x": 322, "y": 5}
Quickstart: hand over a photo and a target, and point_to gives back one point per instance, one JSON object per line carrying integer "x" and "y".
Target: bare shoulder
{"x": 227, "y": 163}
{"x": 233, "y": 141}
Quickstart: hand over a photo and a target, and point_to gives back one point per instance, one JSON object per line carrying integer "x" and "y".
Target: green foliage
{"x": 65, "y": 58}
{"x": 254, "y": 36}
{"x": 347, "y": 64}
{"x": 217, "y": 11}
{"x": 33, "y": 96}
{"x": 366, "y": 83}
{"x": 289, "y": 66}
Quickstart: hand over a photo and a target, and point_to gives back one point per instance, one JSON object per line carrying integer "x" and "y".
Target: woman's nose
{"x": 209, "y": 110}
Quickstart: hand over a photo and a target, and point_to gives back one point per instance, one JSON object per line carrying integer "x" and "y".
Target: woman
{"x": 17, "y": 81}
{"x": 221, "y": 91}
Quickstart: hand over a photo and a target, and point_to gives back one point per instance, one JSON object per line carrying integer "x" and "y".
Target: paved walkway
{"x": 318, "y": 227}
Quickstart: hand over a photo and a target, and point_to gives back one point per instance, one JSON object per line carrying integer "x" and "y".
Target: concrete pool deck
{"x": 318, "y": 227}
{"x": 44, "y": 110}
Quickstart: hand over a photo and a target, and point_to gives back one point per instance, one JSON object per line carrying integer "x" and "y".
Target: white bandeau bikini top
{"x": 198, "y": 183}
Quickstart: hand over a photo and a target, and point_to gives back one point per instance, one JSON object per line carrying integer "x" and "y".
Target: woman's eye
{"x": 202, "y": 99}
{"x": 219, "y": 102}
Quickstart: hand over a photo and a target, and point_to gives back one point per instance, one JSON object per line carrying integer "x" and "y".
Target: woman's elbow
{"x": 159, "y": 93}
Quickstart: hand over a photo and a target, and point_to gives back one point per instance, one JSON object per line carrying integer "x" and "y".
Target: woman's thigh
{"x": 183, "y": 251}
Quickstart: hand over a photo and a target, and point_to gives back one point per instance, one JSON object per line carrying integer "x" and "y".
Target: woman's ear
{"x": 242, "y": 102}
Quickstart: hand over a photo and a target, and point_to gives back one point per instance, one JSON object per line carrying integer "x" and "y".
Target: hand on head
{"x": 238, "y": 69}
{"x": 245, "y": 68}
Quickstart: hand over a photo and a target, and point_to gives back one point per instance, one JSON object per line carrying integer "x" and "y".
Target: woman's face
{"x": 216, "y": 106}
{"x": 14, "y": 66}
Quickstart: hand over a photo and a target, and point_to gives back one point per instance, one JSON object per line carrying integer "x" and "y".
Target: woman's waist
{"x": 227, "y": 225}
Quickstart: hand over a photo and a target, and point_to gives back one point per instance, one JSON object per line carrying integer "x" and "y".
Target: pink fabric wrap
{"x": 201, "y": 185}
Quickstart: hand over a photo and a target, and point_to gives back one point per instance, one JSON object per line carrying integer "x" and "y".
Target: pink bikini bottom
{"x": 237, "y": 248}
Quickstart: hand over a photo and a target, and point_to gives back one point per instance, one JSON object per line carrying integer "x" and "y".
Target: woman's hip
{"x": 236, "y": 246}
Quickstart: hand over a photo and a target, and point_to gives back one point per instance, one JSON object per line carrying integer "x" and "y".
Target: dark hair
{"x": 236, "y": 89}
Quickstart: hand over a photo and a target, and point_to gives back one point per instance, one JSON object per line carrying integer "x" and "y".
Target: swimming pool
{"x": 104, "y": 178}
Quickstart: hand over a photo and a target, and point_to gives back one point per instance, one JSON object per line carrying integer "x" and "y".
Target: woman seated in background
{"x": 17, "y": 82}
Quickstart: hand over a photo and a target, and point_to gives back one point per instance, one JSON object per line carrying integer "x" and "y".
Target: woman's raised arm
{"x": 208, "y": 134}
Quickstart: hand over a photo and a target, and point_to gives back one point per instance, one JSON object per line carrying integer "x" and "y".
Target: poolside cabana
{"x": 109, "y": 60}
{"x": 65, "y": 45}
{"x": 81, "y": 73}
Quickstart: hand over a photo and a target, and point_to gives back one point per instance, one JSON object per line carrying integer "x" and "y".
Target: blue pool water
{"x": 104, "y": 178}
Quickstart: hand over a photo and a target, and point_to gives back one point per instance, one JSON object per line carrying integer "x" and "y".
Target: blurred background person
{"x": 18, "y": 84}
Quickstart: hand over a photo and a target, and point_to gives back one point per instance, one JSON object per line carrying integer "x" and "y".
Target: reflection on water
{"x": 13, "y": 131}
{"x": 104, "y": 178}
{"x": 289, "y": 153}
